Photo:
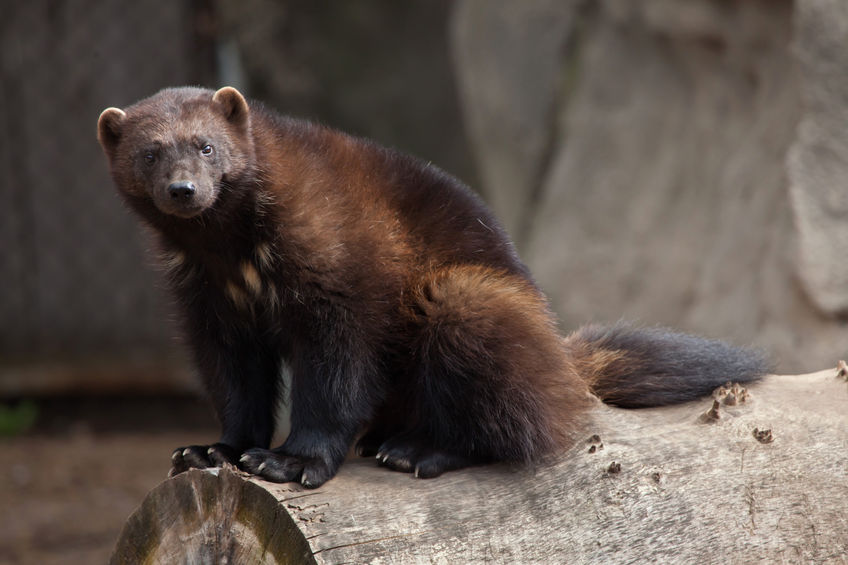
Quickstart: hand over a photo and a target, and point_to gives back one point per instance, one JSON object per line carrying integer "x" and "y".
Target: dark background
{"x": 79, "y": 296}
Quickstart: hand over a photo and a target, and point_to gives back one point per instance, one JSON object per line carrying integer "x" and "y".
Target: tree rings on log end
{"x": 201, "y": 515}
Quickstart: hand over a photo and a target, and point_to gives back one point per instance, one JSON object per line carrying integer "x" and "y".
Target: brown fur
{"x": 386, "y": 286}
{"x": 528, "y": 372}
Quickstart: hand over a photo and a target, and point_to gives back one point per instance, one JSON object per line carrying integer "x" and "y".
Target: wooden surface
{"x": 689, "y": 489}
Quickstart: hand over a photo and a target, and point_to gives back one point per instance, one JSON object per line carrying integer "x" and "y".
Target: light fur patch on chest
{"x": 265, "y": 255}
{"x": 236, "y": 294}
{"x": 171, "y": 261}
{"x": 253, "y": 288}
{"x": 252, "y": 280}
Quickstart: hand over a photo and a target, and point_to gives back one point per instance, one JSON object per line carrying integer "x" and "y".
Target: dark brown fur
{"x": 386, "y": 286}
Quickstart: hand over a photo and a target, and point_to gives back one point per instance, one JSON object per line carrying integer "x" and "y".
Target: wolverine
{"x": 383, "y": 285}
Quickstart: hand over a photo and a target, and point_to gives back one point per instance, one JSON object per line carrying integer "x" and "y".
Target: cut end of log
{"x": 201, "y": 516}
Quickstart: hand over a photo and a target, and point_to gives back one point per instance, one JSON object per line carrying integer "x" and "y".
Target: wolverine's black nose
{"x": 182, "y": 190}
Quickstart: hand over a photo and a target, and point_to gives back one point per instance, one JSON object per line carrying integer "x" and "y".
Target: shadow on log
{"x": 749, "y": 476}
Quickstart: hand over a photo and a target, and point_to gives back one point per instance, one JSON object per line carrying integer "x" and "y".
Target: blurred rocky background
{"x": 681, "y": 162}
{"x": 675, "y": 162}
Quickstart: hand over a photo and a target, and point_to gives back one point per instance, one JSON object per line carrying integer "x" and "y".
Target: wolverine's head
{"x": 179, "y": 148}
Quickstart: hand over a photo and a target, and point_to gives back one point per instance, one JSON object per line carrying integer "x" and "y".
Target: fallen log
{"x": 756, "y": 475}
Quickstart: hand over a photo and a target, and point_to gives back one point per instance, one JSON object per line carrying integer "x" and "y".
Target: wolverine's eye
{"x": 206, "y": 150}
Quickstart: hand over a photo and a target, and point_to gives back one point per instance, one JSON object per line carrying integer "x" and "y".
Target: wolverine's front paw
{"x": 311, "y": 472}
{"x": 201, "y": 457}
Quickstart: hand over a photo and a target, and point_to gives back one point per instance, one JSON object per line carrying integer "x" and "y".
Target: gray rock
{"x": 654, "y": 184}
{"x": 818, "y": 160}
{"x": 508, "y": 56}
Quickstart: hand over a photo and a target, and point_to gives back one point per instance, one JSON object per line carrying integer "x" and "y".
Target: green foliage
{"x": 16, "y": 418}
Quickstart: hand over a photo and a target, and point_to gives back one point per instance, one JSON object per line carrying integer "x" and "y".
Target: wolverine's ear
{"x": 109, "y": 128}
{"x": 233, "y": 104}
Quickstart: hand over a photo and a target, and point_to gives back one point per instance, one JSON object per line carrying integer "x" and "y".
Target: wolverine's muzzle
{"x": 182, "y": 191}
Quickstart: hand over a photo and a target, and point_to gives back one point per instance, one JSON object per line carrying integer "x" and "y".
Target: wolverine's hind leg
{"x": 383, "y": 425}
{"x": 489, "y": 379}
{"x": 409, "y": 453}
{"x": 405, "y": 451}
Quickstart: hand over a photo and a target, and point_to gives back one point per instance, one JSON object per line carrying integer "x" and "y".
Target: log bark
{"x": 765, "y": 481}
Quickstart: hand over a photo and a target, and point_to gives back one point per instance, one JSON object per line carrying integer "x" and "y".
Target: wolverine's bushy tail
{"x": 636, "y": 367}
